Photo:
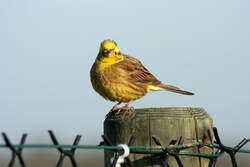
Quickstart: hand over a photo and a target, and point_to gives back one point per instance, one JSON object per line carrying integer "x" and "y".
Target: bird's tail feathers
{"x": 173, "y": 89}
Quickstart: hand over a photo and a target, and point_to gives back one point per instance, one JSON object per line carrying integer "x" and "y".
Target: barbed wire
{"x": 165, "y": 151}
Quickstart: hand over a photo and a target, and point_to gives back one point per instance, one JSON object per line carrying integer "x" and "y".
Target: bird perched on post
{"x": 122, "y": 78}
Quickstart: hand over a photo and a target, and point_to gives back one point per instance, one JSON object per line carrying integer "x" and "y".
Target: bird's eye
{"x": 106, "y": 53}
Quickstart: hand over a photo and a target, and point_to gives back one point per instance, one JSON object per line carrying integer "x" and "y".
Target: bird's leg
{"x": 113, "y": 109}
{"x": 124, "y": 107}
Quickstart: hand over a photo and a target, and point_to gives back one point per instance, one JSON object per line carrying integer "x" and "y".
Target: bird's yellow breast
{"x": 111, "y": 84}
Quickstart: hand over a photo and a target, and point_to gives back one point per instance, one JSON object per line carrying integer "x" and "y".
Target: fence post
{"x": 165, "y": 124}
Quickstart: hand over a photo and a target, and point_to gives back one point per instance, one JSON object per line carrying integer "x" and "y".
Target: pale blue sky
{"x": 48, "y": 47}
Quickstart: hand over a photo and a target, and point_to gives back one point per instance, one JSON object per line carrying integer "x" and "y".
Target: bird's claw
{"x": 123, "y": 108}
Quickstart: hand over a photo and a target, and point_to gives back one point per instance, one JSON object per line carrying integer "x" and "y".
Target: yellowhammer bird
{"x": 122, "y": 78}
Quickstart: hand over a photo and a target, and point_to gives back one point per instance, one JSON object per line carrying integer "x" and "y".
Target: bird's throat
{"x": 106, "y": 62}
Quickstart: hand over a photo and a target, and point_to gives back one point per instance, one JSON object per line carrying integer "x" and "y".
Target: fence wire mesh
{"x": 174, "y": 149}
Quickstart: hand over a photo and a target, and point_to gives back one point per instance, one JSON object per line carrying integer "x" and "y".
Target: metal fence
{"x": 173, "y": 149}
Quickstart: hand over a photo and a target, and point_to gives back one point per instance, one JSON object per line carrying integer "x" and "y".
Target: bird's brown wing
{"x": 136, "y": 72}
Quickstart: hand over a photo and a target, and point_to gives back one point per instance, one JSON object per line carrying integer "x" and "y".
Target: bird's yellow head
{"x": 109, "y": 53}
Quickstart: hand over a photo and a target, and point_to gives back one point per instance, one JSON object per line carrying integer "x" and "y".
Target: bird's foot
{"x": 119, "y": 109}
{"x": 113, "y": 109}
{"x": 123, "y": 108}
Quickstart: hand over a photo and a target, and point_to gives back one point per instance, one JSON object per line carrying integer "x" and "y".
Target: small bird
{"x": 122, "y": 78}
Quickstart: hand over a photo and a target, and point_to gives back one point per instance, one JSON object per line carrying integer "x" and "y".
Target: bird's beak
{"x": 106, "y": 54}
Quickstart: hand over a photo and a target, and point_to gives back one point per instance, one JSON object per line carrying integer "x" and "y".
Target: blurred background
{"x": 48, "y": 47}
